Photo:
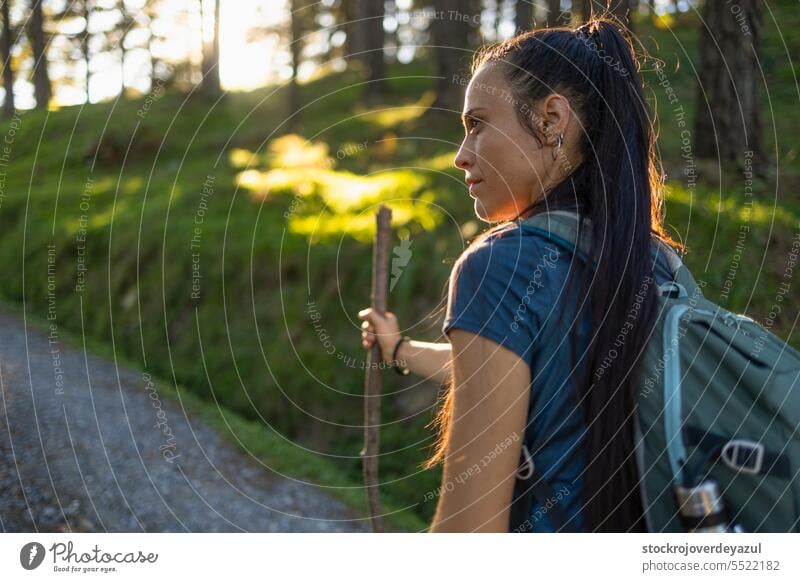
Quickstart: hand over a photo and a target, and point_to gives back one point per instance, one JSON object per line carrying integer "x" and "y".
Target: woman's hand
{"x": 381, "y": 327}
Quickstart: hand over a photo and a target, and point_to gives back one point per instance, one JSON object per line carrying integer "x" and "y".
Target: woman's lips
{"x": 472, "y": 186}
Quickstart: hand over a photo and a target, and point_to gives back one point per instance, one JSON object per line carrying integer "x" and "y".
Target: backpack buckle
{"x": 672, "y": 289}
{"x": 753, "y": 459}
{"x": 527, "y": 464}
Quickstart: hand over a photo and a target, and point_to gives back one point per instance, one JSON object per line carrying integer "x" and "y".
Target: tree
{"x": 554, "y": 15}
{"x": 85, "y": 39}
{"x": 41, "y": 79}
{"x": 160, "y": 71}
{"x": 292, "y": 32}
{"x": 77, "y": 43}
{"x": 523, "y": 15}
{"x": 120, "y": 33}
{"x": 302, "y": 20}
{"x": 370, "y": 25}
{"x": 492, "y": 8}
{"x": 8, "y": 72}
{"x": 85, "y": 43}
{"x": 453, "y": 33}
{"x": 584, "y": 9}
{"x": 295, "y": 48}
{"x": 211, "y": 81}
{"x": 728, "y": 121}
{"x": 346, "y": 15}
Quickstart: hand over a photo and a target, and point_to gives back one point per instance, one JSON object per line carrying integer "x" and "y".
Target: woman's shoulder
{"x": 501, "y": 286}
{"x": 525, "y": 246}
{"x": 508, "y": 246}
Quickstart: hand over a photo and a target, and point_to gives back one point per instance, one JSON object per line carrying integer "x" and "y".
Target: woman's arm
{"x": 427, "y": 359}
{"x": 490, "y": 405}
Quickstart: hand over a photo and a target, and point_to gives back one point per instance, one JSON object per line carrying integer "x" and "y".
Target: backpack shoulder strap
{"x": 680, "y": 271}
{"x": 561, "y": 227}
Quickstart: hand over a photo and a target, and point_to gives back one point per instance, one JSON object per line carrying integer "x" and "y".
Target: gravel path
{"x": 101, "y": 452}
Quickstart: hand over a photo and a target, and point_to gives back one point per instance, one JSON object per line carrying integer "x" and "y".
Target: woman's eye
{"x": 472, "y": 123}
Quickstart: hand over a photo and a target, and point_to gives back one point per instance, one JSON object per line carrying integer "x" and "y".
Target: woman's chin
{"x": 481, "y": 211}
{"x": 489, "y": 214}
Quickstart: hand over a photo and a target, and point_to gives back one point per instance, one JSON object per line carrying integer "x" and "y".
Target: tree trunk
{"x": 352, "y": 42}
{"x": 41, "y": 80}
{"x": 391, "y": 38}
{"x": 728, "y": 122}
{"x": 8, "y": 72}
{"x": 452, "y": 31}
{"x": 151, "y": 18}
{"x": 211, "y": 82}
{"x": 585, "y": 7}
{"x": 295, "y": 48}
{"x": 370, "y": 22}
{"x": 554, "y": 14}
{"x": 122, "y": 35}
{"x": 215, "y": 44}
{"x": 523, "y": 16}
{"x": 87, "y": 9}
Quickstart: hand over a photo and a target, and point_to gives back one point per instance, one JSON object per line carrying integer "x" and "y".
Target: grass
{"x": 278, "y": 224}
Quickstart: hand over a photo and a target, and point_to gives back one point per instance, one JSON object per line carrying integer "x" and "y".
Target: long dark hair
{"x": 619, "y": 187}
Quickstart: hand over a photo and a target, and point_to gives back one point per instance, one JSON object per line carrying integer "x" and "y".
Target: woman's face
{"x": 506, "y": 163}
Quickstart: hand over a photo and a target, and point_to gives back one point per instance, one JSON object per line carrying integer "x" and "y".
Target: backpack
{"x": 716, "y": 430}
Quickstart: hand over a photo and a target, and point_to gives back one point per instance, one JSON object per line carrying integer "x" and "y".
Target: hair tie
{"x": 590, "y": 33}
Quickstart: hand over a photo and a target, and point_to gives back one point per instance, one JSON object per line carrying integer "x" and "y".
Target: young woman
{"x": 543, "y": 348}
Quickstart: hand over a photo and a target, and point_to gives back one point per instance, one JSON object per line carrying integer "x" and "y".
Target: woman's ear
{"x": 555, "y": 113}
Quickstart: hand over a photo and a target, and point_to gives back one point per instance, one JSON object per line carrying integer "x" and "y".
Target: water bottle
{"x": 702, "y": 508}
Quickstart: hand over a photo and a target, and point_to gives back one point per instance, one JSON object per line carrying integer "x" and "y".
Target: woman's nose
{"x": 463, "y": 158}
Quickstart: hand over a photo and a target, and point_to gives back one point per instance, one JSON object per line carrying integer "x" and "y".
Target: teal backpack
{"x": 718, "y": 422}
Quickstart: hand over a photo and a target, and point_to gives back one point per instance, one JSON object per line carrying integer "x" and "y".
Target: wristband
{"x": 403, "y": 371}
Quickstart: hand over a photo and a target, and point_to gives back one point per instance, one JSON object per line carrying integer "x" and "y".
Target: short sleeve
{"x": 498, "y": 290}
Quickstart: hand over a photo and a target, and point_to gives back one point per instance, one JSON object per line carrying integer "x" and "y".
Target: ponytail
{"x": 621, "y": 179}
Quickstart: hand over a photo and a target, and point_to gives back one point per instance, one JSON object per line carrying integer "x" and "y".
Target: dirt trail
{"x": 93, "y": 456}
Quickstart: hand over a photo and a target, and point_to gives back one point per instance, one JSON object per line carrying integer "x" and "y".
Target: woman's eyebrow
{"x": 468, "y": 113}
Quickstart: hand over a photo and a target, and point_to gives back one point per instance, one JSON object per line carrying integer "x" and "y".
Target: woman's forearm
{"x": 427, "y": 359}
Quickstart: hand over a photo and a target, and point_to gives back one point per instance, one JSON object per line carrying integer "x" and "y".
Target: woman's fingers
{"x": 367, "y": 339}
{"x": 381, "y": 321}
{"x": 367, "y": 334}
{"x": 367, "y": 331}
{"x": 378, "y": 327}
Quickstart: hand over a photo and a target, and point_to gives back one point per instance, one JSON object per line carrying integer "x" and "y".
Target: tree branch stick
{"x": 372, "y": 384}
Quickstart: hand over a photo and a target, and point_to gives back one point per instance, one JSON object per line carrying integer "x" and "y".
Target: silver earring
{"x": 558, "y": 146}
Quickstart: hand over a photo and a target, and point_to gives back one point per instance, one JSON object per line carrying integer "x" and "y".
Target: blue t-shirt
{"x": 511, "y": 288}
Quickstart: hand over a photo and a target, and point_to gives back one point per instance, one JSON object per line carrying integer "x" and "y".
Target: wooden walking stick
{"x": 372, "y": 383}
